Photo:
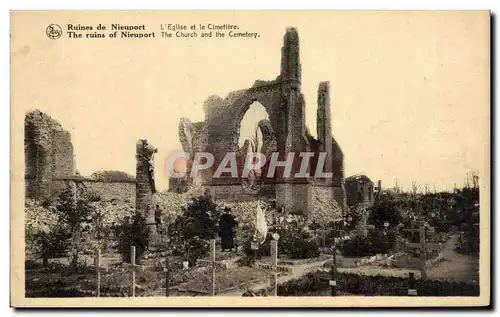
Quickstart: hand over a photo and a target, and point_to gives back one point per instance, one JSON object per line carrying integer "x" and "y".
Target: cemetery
{"x": 291, "y": 260}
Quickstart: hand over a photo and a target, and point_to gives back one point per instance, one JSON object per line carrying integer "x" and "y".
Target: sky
{"x": 409, "y": 91}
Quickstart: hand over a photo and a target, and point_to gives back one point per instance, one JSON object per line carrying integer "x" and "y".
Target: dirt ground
{"x": 58, "y": 282}
{"x": 455, "y": 267}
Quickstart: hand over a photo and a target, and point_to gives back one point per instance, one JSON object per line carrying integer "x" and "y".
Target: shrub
{"x": 385, "y": 209}
{"x": 194, "y": 227}
{"x": 373, "y": 286}
{"x": 303, "y": 249}
{"x": 112, "y": 176}
{"x": 375, "y": 242}
{"x": 303, "y": 286}
{"x": 298, "y": 244}
{"x": 132, "y": 234}
{"x": 40, "y": 223}
{"x": 70, "y": 220}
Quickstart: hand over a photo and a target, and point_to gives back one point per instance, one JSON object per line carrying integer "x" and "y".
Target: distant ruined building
{"x": 359, "y": 189}
{"x": 284, "y": 132}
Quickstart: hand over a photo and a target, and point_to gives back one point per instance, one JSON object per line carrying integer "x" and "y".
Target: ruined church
{"x": 284, "y": 132}
{"x": 50, "y": 161}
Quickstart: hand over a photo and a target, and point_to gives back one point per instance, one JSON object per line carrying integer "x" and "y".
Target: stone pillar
{"x": 294, "y": 194}
{"x": 324, "y": 126}
{"x": 290, "y": 56}
{"x": 145, "y": 185}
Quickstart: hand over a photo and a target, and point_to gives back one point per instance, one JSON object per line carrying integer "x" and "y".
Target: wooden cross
{"x": 274, "y": 267}
{"x": 167, "y": 274}
{"x": 135, "y": 268}
{"x": 333, "y": 271}
{"x": 422, "y": 246}
{"x": 99, "y": 269}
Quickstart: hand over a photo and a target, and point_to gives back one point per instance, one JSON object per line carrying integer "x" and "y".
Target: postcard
{"x": 250, "y": 158}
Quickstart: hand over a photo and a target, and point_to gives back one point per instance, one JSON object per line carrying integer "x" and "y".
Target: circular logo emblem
{"x": 53, "y": 31}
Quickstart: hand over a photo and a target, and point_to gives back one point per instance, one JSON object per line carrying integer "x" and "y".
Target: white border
{"x": 184, "y": 4}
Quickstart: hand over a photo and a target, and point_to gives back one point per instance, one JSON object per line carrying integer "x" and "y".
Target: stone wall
{"x": 48, "y": 155}
{"x": 236, "y": 192}
{"x": 109, "y": 191}
{"x": 294, "y": 198}
{"x": 325, "y": 203}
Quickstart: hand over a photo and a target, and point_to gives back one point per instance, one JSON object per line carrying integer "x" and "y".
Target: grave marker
{"x": 422, "y": 245}
{"x": 274, "y": 267}
{"x": 212, "y": 259}
{"x": 167, "y": 275}
{"x": 333, "y": 271}
{"x": 412, "y": 290}
{"x": 99, "y": 269}
{"x": 135, "y": 268}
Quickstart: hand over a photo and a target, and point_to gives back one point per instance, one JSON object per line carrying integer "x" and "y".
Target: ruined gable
{"x": 284, "y": 132}
{"x": 48, "y": 155}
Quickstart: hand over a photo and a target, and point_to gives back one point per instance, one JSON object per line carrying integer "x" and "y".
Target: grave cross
{"x": 166, "y": 270}
{"x": 212, "y": 260}
{"x": 333, "y": 271}
{"x": 99, "y": 269}
{"x": 165, "y": 240}
{"x": 422, "y": 246}
{"x": 274, "y": 267}
{"x": 134, "y": 268}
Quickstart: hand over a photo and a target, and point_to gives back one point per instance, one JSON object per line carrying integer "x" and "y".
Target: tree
{"x": 385, "y": 209}
{"x": 112, "y": 175}
{"x": 53, "y": 228}
{"x": 74, "y": 218}
{"x": 135, "y": 233}
{"x": 195, "y": 226}
{"x": 467, "y": 206}
{"x": 40, "y": 224}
